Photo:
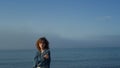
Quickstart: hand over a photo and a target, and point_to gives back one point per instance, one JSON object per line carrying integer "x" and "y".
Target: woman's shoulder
{"x": 38, "y": 52}
{"x": 47, "y": 50}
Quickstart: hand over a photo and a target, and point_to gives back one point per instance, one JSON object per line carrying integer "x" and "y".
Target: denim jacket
{"x": 40, "y": 61}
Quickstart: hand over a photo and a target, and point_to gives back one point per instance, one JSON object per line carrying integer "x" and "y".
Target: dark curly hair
{"x": 44, "y": 41}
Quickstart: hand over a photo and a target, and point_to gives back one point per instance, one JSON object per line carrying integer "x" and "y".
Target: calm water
{"x": 64, "y": 58}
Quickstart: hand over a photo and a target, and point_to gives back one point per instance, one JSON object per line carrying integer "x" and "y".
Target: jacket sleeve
{"x": 43, "y": 60}
{"x": 35, "y": 60}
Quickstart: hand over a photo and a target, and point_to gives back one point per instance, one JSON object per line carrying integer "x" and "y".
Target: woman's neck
{"x": 42, "y": 50}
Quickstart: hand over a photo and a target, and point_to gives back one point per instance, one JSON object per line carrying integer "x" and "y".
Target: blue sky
{"x": 69, "y": 20}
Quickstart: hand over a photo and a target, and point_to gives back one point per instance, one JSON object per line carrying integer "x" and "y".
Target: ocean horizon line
{"x": 64, "y": 48}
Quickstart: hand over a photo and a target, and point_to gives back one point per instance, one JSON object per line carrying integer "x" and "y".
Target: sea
{"x": 100, "y": 57}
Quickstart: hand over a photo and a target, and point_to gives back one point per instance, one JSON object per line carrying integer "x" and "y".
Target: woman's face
{"x": 41, "y": 45}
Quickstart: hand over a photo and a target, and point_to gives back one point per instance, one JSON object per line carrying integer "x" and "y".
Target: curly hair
{"x": 44, "y": 41}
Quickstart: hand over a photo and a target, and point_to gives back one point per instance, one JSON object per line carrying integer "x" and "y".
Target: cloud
{"x": 107, "y": 17}
{"x": 104, "y": 18}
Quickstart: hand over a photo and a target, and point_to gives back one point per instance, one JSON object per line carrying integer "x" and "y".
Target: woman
{"x": 42, "y": 58}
